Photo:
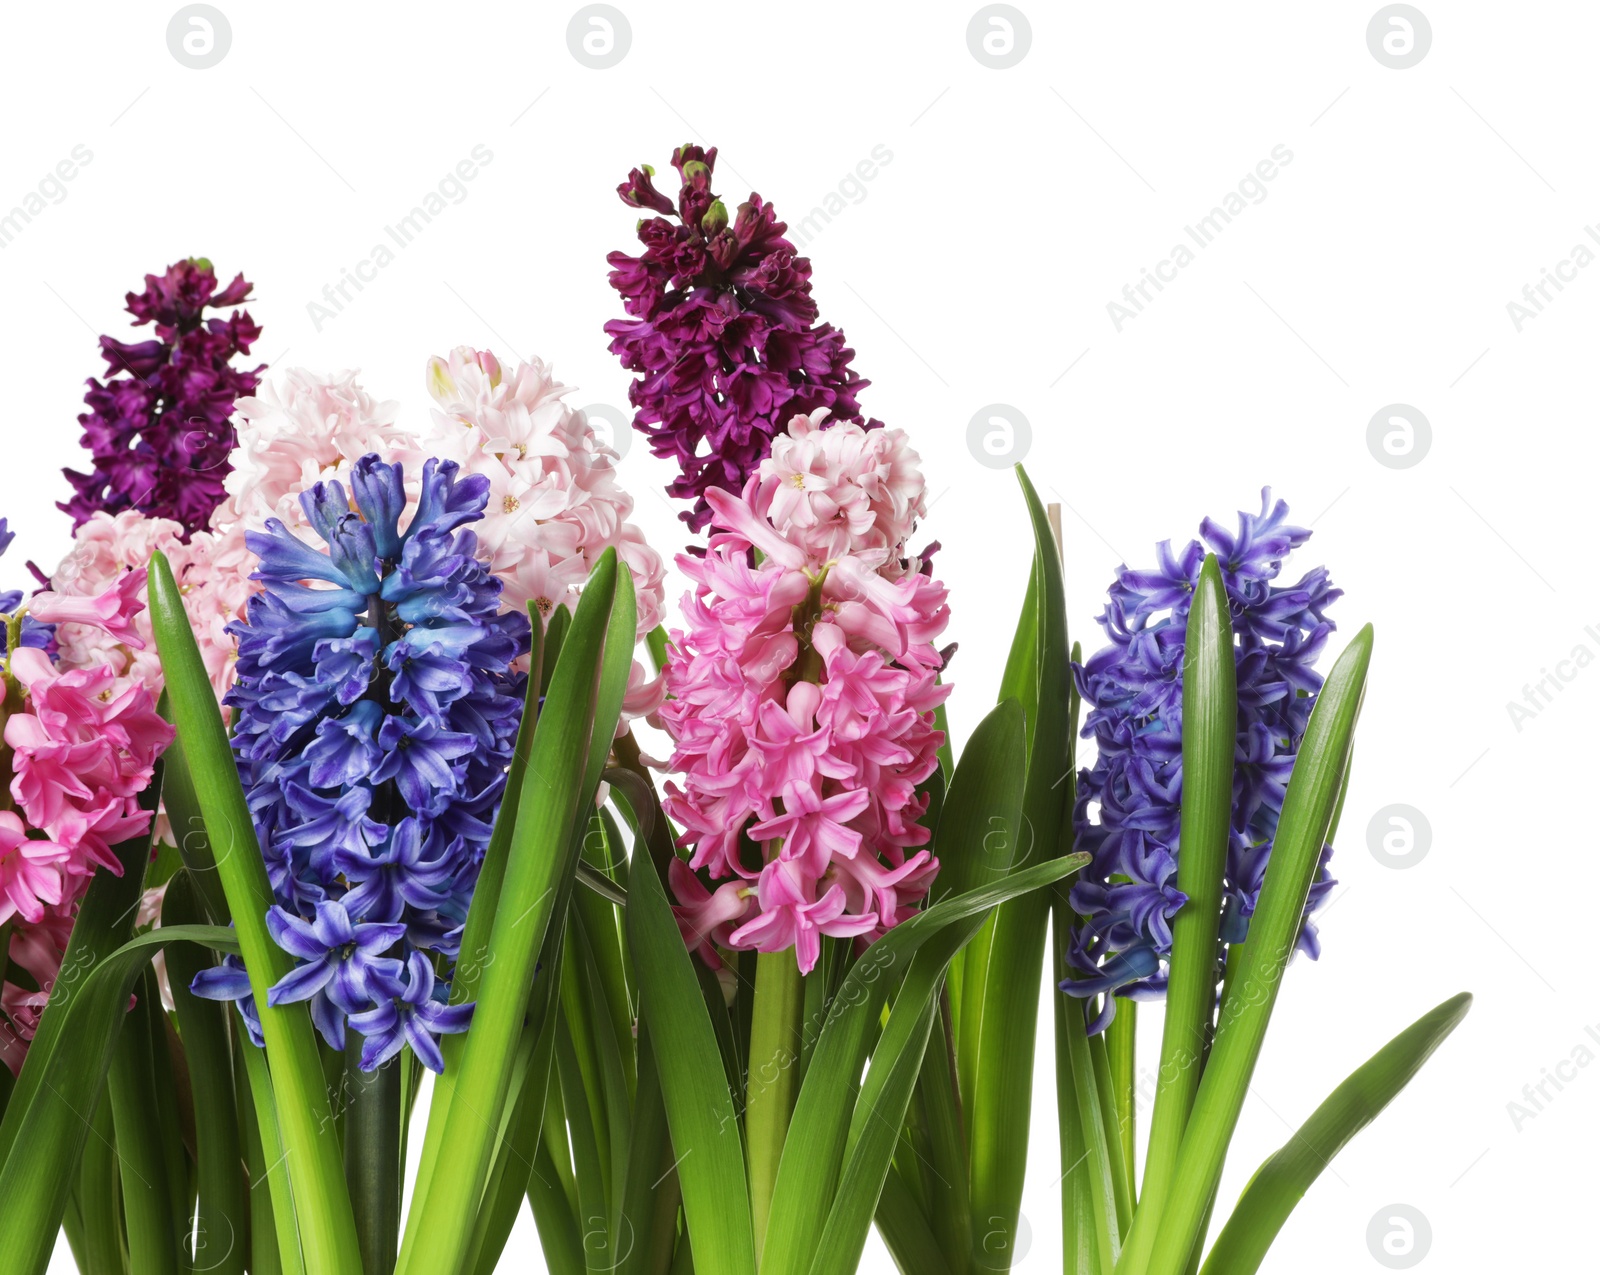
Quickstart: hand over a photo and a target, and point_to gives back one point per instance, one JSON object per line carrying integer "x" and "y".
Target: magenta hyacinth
{"x": 723, "y": 332}
{"x": 802, "y": 698}
{"x": 159, "y": 426}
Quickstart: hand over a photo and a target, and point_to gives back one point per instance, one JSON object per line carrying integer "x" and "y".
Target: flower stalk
{"x": 777, "y": 1031}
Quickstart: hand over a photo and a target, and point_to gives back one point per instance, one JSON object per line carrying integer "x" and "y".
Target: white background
{"x": 977, "y": 269}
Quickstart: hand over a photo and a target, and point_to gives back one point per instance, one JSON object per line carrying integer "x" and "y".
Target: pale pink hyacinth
{"x": 302, "y": 428}
{"x": 842, "y": 490}
{"x": 802, "y": 700}
{"x": 83, "y": 746}
{"x": 555, "y": 504}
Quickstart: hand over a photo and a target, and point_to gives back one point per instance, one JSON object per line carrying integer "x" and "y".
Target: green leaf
{"x": 999, "y": 1060}
{"x": 976, "y": 839}
{"x": 568, "y": 753}
{"x": 327, "y": 1224}
{"x": 1307, "y": 813}
{"x": 705, "y": 1130}
{"x": 220, "y": 1204}
{"x": 1119, "y": 1099}
{"x": 274, "y": 1241}
{"x": 508, "y": 1180}
{"x": 36, "y": 1181}
{"x": 905, "y": 1231}
{"x": 646, "y": 1215}
{"x": 1289, "y": 1172}
{"x": 938, "y": 1111}
{"x": 189, "y": 830}
{"x": 1088, "y": 1192}
{"x": 545, "y": 645}
{"x": 96, "y": 1196}
{"x": 880, "y": 1111}
{"x": 819, "y": 1134}
{"x": 148, "y": 1211}
{"x": 1210, "y": 725}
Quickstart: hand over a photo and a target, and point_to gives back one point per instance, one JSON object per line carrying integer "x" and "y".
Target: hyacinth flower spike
{"x": 158, "y": 428}
{"x": 723, "y": 333}
{"x": 1129, "y": 801}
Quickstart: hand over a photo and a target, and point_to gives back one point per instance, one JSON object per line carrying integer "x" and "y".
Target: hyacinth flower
{"x": 297, "y": 430}
{"x": 159, "y": 426}
{"x": 723, "y": 332}
{"x": 1128, "y": 801}
{"x": 375, "y": 713}
{"x": 801, "y": 706}
{"x": 108, "y": 549}
{"x": 802, "y": 696}
{"x": 554, "y": 503}
{"x": 80, "y": 746}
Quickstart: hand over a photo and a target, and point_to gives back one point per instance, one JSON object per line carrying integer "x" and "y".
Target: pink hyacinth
{"x": 82, "y": 746}
{"x": 555, "y": 504}
{"x": 301, "y": 428}
{"x": 802, "y": 698}
{"x": 840, "y": 490}
{"x": 108, "y": 559}
{"x": 30, "y": 871}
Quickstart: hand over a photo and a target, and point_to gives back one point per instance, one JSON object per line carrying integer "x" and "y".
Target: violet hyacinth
{"x": 375, "y": 718}
{"x": 723, "y": 332}
{"x": 1127, "y": 813}
{"x": 158, "y": 427}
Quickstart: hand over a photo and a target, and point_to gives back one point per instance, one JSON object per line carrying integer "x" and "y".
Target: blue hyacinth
{"x": 30, "y": 631}
{"x": 1127, "y": 809}
{"x": 375, "y": 713}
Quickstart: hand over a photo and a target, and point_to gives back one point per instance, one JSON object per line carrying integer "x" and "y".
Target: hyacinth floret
{"x": 1127, "y": 811}
{"x": 376, "y": 708}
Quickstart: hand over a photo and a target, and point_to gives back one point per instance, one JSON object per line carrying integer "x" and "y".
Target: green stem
{"x": 372, "y": 1155}
{"x": 1122, "y": 1055}
{"x": 1121, "y": 1171}
{"x": 776, "y": 1042}
{"x": 131, "y": 1088}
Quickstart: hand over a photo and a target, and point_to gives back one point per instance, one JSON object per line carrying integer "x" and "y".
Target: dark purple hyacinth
{"x": 159, "y": 427}
{"x": 1128, "y": 802}
{"x": 723, "y": 333}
